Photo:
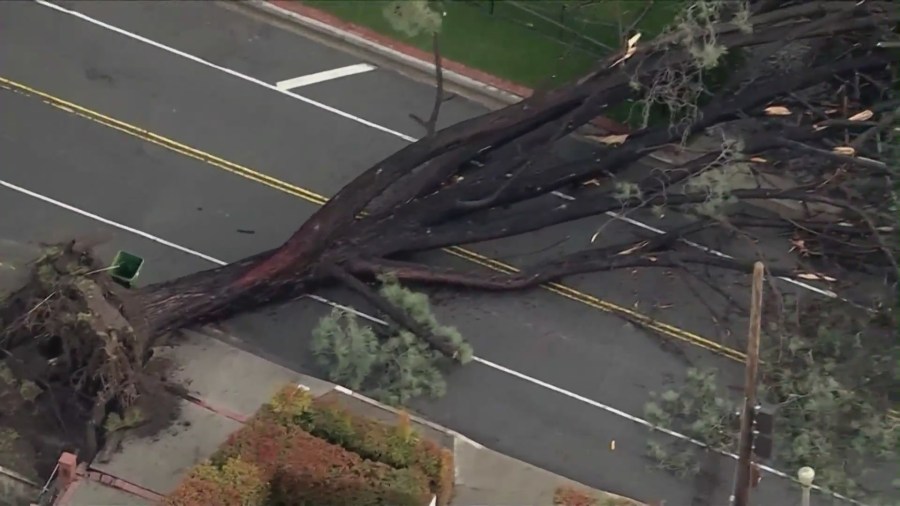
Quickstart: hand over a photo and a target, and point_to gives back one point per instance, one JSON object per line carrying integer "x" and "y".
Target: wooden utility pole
{"x": 745, "y": 450}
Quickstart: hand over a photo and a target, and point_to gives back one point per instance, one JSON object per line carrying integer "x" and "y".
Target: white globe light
{"x": 805, "y": 475}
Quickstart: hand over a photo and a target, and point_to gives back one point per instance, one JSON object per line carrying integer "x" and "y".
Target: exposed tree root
{"x": 67, "y": 332}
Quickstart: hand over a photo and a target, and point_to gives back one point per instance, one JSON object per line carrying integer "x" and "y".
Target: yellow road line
{"x": 245, "y": 172}
{"x": 310, "y": 196}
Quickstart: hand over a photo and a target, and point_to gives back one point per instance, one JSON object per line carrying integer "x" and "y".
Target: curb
{"x": 476, "y": 84}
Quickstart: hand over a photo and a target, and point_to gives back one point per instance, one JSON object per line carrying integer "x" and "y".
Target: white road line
{"x": 111, "y": 223}
{"x": 314, "y": 103}
{"x": 487, "y": 363}
{"x": 327, "y": 75}
{"x": 228, "y": 71}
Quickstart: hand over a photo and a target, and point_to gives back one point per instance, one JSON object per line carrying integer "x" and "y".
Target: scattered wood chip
{"x": 592, "y": 182}
{"x": 819, "y": 128}
{"x": 630, "y": 50}
{"x": 611, "y": 139}
{"x": 633, "y": 248}
{"x": 862, "y": 116}
{"x": 628, "y": 54}
{"x": 777, "y": 110}
{"x": 634, "y": 39}
{"x": 815, "y": 277}
{"x": 758, "y": 159}
{"x": 831, "y": 111}
{"x": 844, "y": 150}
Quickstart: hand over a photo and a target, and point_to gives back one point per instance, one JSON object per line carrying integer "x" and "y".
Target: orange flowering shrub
{"x": 570, "y": 496}
{"x": 303, "y": 451}
{"x": 235, "y": 483}
{"x": 325, "y": 474}
{"x": 398, "y": 446}
{"x": 260, "y": 441}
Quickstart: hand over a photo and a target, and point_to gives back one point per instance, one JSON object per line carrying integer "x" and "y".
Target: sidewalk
{"x": 226, "y": 385}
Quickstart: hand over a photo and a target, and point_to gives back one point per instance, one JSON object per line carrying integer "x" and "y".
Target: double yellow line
{"x": 247, "y": 173}
{"x": 283, "y": 186}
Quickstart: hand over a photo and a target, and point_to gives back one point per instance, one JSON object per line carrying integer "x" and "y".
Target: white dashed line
{"x": 328, "y": 75}
{"x": 357, "y": 119}
{"x": 478, "y": 360}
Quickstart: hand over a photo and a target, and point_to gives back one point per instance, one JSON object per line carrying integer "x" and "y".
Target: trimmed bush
{"x": 398, "y": 446}
{"x": 314, "y": 472}
{"x": 303, "y": 469}
{"x": 300, "y": 451}
{"x": 288, "y": 405}
{"x": 235, "y": 483}
{"x": 261, "y": 441}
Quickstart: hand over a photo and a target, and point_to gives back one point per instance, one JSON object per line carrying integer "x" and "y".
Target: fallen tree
{"x": 494, "y": 176}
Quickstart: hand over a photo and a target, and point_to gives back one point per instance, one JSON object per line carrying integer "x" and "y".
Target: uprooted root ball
{"x": 70, "y": 346}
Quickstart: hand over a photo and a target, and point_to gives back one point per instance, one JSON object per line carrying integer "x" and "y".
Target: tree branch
{"x": 394, "y": 314}
{"x": 431, "y": 124}
{"x": 578, "y": 263}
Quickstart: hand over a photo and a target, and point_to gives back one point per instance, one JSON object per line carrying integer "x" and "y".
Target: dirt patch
{"x": 75, "y": 371}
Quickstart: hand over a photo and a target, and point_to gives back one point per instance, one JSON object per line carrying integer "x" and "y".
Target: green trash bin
{"x": 125, "y": 268}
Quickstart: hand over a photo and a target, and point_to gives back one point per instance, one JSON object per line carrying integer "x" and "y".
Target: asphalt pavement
{"x": 584, "y": 353}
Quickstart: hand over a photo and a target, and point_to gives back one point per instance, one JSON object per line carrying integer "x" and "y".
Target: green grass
{"x": 522, "y": 40}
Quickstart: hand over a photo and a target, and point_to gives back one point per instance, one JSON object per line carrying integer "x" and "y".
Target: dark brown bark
{"x": 415, "y": 199}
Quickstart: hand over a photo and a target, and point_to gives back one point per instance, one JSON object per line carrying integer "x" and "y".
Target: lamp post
{"x": 805, "y": 476}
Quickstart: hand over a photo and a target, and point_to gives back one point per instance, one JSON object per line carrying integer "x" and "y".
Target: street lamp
{"x": 805, "y": 476}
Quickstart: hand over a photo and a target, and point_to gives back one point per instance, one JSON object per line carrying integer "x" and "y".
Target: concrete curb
{"x": 478, "y": 88}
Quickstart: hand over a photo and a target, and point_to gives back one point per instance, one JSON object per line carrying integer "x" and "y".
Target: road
{"x": 553, "y": 369}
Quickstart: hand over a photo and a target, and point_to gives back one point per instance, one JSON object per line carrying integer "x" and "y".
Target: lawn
{"x": 534, "y": 43}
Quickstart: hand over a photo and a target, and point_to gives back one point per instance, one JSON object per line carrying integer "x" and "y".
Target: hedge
{"x": 234, "y": 483}
{"x": 398, "y": 446}
{"x": 324, "y": 474}
{"x": 304, "y": 469}
{"x": 300, "y": 451}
